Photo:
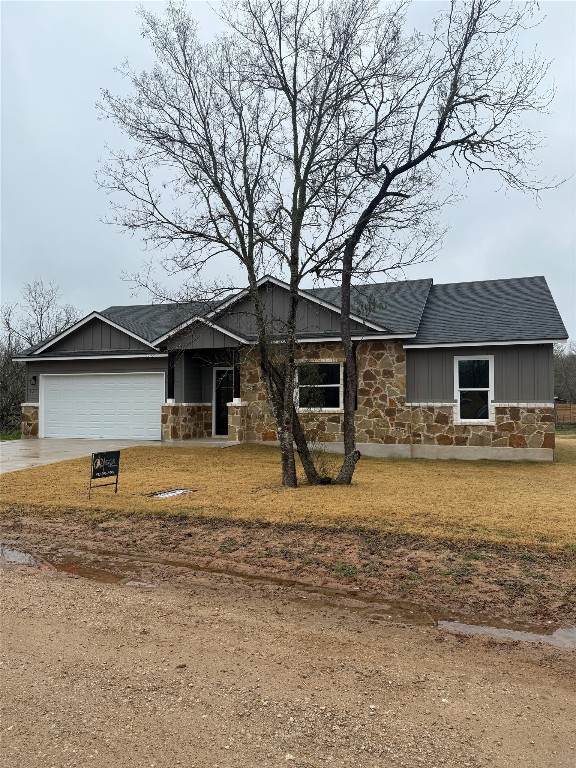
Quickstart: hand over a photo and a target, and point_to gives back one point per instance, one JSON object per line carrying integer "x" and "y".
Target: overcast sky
{"x": 56, "y": 56}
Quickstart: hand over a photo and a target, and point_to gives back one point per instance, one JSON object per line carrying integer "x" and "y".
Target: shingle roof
{"x": 150, "y": 321}
{"x": 519, "y": 309}
{"x": 396, "y": 307}
{"x": 515, "y": 310}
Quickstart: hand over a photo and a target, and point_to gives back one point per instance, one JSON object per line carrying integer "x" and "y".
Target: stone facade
{"x": 237, "y": 422}
{"x": 29, "y": 422}
{"x": 186, "y": 422}
{"x": 381, "y": 415}
{"x": 260, "y": 424}
{"x": 515, "y": 427}
{"x": 384, "y": 418}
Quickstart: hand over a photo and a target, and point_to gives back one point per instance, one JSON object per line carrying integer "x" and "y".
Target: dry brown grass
{"x": 505, "y": 502}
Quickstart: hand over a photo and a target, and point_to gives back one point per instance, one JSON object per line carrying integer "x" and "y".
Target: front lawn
{"x": 506, "y": 502}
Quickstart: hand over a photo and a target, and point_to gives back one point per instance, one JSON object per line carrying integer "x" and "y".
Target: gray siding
{"x": 311, "y": 317}
{"x": 96, "y": 336}
{"x": 201, "y": 337}
{"x": 137, "y": 365}
{"x": 193, "y": 374}
{"x": 522, "y": 373}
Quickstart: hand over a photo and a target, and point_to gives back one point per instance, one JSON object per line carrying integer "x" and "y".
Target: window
{"x": 319, "y": 386}
{"x": 474, "y": 377}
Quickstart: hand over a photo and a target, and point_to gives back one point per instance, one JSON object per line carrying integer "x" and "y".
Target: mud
{"x": 404, "y": 579}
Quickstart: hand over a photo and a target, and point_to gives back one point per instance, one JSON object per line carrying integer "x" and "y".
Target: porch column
{"x": 237, "y": 421}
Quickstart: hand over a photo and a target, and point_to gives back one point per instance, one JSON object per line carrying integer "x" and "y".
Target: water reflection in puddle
{"x": 560, "y": 638}
{"x": 116, "y": 568}
{"x": 11, "y": 556}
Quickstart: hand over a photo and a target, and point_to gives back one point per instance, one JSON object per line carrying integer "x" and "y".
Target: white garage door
{"x": 116, "y": 405}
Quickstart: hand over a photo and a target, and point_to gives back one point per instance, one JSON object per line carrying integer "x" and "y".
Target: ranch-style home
{"x": 462, "y": 370}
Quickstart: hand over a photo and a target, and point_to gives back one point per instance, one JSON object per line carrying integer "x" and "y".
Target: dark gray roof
{"x": 150, "y": 321}
{"x": 519, "y": 309}
{"x": 395, "y": 307}
{"x": 515, "y": 310}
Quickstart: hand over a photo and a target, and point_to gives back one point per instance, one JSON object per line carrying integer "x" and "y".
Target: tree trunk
{"x": 351, "y": 454}
{"x": 303, "y": 449}
{"x": 289, "y": 479}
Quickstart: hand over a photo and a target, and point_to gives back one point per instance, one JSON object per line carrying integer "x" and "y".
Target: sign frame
{"x": 104, "y": 464}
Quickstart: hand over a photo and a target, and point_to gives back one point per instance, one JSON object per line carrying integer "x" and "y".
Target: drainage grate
{"x": 173, "y": 492}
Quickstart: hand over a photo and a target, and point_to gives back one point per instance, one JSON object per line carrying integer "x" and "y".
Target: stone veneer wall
{"x": 260, "y": 424}
{"x": 515, "y": 427}
{"x": 186, "y": 422}
{"x": 237, "y": 422}
{"x": 382, "y": 415}
{"x": 29, "y": 421}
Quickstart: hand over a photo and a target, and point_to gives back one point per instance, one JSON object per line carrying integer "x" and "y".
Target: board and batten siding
{"x": 200, "y": 336}
{"x": 193, "y": 374}
{"x": 522, "y": 373}
{"x": 123, "y": 365}
{"x": 96, "y": 336}
{"x": 311, "y": 318}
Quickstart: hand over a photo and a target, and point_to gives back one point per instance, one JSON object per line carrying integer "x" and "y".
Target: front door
{"x": 223, "y": 394}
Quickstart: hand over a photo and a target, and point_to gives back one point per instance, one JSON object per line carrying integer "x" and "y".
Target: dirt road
{"x": 216, "y": 672}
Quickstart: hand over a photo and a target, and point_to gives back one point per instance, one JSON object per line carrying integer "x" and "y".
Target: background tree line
{"x": 38, "y": 315}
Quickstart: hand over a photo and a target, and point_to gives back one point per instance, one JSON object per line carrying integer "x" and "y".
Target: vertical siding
{"x": 522, "y": 374}
{"x": 96, "y": 336}
{"x": 201, "y": 337}
{"x": 206, "y": 384}
{"x": 193, "y": 380}
{"x": 179, "y": 378}
{"x": 311, "y": 318}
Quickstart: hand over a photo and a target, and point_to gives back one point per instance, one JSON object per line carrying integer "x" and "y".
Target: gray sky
{"x": 56, "y": 56}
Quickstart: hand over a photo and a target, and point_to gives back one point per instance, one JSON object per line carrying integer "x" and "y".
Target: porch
{"x": 203, "y": 390}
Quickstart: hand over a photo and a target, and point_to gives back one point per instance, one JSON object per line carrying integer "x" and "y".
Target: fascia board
{"x": 484, "y": 343}
{"x": 83, "y": 321}
{"x": 54, "y": 358}
{"x": 205, "y": 321}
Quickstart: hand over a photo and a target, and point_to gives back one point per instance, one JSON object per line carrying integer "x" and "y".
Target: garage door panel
{"x": 121, "y": 406}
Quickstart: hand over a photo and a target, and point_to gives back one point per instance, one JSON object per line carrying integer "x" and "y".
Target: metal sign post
{"x": 104, "y": 465}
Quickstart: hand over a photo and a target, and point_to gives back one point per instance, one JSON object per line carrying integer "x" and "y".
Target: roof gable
{"x": 82, "y": 330}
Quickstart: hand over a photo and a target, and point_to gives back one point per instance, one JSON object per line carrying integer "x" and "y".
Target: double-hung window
{"x": 474, "y": 387}
{"x": 320, "y": 386}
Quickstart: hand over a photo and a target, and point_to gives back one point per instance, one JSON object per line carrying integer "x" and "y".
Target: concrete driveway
{"x": 23, "y": 454}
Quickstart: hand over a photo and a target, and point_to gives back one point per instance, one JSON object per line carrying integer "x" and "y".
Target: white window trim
{"x": 491, "y": 409}
{"x": 340, "y": 386}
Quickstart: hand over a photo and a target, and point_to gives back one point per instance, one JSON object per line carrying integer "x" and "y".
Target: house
{"x": 462, "y": 370}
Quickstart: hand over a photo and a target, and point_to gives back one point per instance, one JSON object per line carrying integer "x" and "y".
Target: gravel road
{"x": 226, "y": 673}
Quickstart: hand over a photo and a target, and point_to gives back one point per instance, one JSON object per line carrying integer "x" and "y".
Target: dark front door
{"x": 224, "y": 383}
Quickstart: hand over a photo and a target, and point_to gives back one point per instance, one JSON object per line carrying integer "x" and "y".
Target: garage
{"x": 103, "y": 405}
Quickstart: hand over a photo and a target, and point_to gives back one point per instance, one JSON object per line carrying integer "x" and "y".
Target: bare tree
{"x": 240, "y": 151}
{"x": 37, "y": 316}
{"x": 565, "y": 371}
{"x": 313, "y": 139}
{"x": 455, "y": 97}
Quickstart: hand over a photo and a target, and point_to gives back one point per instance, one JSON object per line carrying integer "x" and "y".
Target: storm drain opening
{"x": 173, "y": 492}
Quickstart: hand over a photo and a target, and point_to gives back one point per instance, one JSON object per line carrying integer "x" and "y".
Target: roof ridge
{"x": 492, "y": 280}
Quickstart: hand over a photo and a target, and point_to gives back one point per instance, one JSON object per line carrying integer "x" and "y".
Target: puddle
{"x": 10, "y": 556}
{"x": 118, "y": 568}
{"x": 560, "y": 638}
